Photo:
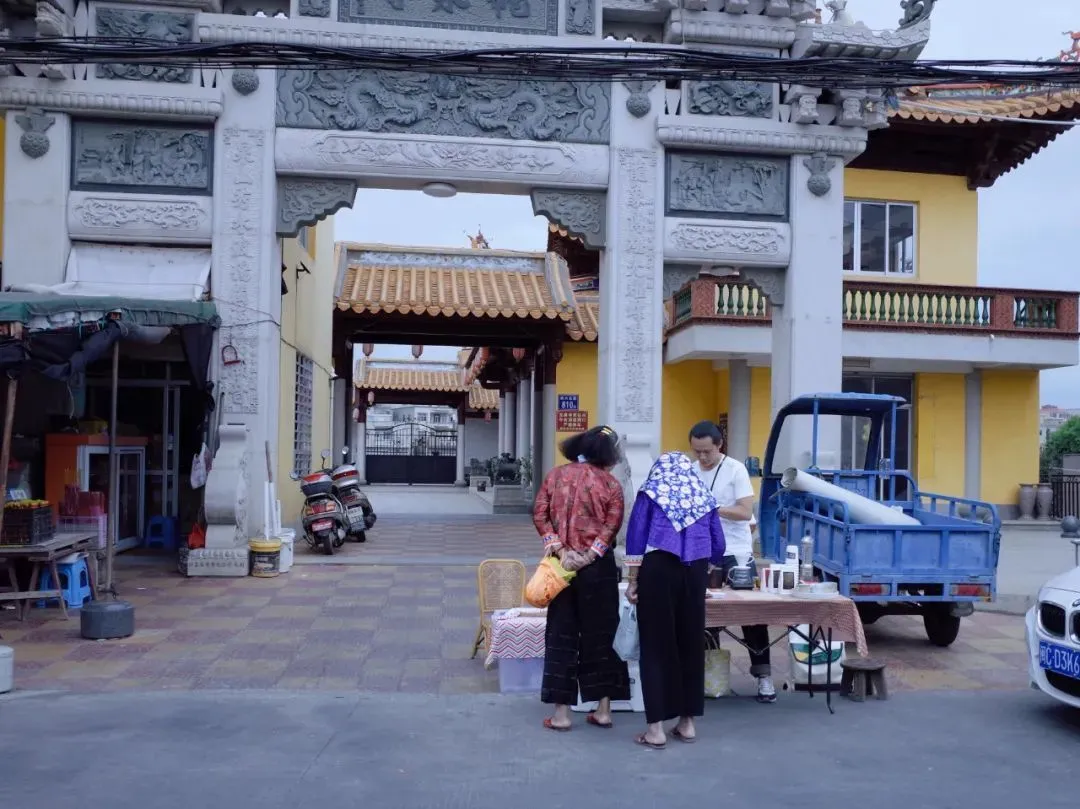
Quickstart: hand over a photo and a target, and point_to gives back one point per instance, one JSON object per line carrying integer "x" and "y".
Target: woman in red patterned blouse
{"x": 578, "y": 512}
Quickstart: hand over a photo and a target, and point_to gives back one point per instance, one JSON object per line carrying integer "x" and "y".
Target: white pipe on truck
{"x": 861, "y": 509}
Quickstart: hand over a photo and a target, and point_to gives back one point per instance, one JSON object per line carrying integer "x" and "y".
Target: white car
{"x": 1053, "y": 639}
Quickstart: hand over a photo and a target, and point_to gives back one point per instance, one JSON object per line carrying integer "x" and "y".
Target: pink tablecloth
{"x": 749, "y": 607}
{"x": 517, "y": 634}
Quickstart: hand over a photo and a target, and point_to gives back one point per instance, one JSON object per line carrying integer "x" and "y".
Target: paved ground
{"x": 1029, "y": 556}
{"x": 391, "y": 628}
{"x": 441, "y": 500}
{"x": 309, "y": 751}
{"x": 428, "y": 538}
{"x": 399, "y": 614}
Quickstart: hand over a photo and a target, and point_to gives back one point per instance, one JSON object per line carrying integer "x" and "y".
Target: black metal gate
{"x": 411, "y": 452}
{"x": 1066, "y": 487}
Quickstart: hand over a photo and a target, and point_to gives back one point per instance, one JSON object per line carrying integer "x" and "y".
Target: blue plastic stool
{"x": 161, "y": 533}
{"x": 74, "y": 581}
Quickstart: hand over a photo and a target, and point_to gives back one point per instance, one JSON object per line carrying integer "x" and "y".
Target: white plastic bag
{"x": 627, "y": 643}
{"x": 200, "y": 467}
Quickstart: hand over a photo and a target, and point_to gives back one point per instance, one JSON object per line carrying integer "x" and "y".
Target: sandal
{"x": 550, "y": 725}
{"x": 596, "y": 723}
{"x": 676, "y": 733}
{"x": 640, "y": 739}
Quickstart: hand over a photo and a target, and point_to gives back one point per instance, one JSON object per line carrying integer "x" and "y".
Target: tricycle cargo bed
{"x": 945, "y": 547}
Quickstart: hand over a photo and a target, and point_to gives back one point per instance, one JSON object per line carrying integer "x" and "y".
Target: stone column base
{"x": 219, "y": 562}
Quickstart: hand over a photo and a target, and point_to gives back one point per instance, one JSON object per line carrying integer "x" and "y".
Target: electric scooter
{"x": 323, "y": 517}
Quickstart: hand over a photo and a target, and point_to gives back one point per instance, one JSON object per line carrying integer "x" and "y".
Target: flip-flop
{"x": 674, "y": 732}
{"x": 551, "y": 726}
{"x": 596, "y": 723}
{"x": 641, "y": 740}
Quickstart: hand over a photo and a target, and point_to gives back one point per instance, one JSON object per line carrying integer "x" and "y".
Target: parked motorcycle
{"x": 323, "y": 516}
{"x": 359, "y": 514}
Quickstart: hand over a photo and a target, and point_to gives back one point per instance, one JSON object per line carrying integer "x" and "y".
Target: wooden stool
{"x": 863, "y": 677}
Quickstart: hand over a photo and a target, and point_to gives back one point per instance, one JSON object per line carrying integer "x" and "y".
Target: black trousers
{"x": 671, "y": 620}
{"x": 756, "y": 637}
{"x": 581, "y": 625}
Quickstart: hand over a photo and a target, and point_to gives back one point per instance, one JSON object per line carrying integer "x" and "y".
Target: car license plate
{"x": 322, "y": 525}
{"x": 1059, "y": 659}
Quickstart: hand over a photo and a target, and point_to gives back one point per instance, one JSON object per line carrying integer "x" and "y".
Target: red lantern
{"x": 519, "y": 354}
{"x": 369, "y": 349}
{"x": 417, "y": 351}
{"x": 370, "y": 398}
{"x": 487, "y": 416}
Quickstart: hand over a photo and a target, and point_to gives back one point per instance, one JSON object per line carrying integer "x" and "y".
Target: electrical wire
{"x": 611, "y": 61}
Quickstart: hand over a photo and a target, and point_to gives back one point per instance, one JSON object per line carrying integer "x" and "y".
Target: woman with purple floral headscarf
{"x": 673, "y": 535}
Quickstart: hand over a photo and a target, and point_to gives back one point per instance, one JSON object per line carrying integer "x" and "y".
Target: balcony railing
{"x": 906, "y": 307}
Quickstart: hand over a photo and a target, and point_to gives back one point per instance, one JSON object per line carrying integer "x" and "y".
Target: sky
{"x": 1025, "y": 220}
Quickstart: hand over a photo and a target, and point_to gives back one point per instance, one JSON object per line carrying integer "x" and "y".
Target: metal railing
{"x": 915, "y": 307}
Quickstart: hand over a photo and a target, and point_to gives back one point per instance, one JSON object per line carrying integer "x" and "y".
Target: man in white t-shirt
{"x": 729, "y": 482}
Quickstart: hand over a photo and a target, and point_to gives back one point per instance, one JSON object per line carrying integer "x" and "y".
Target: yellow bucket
{"x": 265, "y": 557}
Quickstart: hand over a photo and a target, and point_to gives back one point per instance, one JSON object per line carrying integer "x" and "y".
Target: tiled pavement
{"x": 435, "y": 540}
{"x": 406, "y": 628}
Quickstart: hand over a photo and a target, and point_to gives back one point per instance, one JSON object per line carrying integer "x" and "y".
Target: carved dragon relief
{"x": 582, "y": 213}
{"x": 303, "y": 201}
{"x": 431, "y": 104}
{"x": 123, "y": 23}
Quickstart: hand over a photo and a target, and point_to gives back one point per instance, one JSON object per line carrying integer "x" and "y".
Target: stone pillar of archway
{"x": 549, "y": 399}
{"x": 631, "y": 276}
{"x": 359, "y": 441}
{"x": 247, "y": 291}
{"x": 807, "y": 307}
{"x": 459, "y": 474}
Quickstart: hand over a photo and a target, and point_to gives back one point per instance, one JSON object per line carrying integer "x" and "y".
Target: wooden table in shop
{"x": 43, "y": 555}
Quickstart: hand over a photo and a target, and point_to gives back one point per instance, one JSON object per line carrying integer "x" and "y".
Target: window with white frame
{"x": 305, "y": 391}
{"x": 879, "y": 237}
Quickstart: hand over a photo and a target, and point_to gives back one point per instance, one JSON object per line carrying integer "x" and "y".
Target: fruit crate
{"x": 27, "y": 526}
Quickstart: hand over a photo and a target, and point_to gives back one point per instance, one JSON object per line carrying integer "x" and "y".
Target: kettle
{"x": 741, "y": 577}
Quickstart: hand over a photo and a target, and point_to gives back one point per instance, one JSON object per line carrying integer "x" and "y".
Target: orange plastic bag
{"x": 548, "y": 581}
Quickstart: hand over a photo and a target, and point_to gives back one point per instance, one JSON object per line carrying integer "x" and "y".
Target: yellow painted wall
{"x": 688, "y": 396}
{"x": 693, "y": 391}
{"x": 947, "y": 223}
{"x": 1010, "y": 433}
{"x": 938, "y": 442}
{"x": 305, "y": 325}
{"x": 577, "y": 374}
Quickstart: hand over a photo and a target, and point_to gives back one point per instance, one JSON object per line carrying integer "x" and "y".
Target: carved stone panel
{"x": 582, "y": 213}
{"x": 505, "y": 16}
{"x": 105, "y": 216}
{"x": 429, "y": 104}
{"x": 314, "y": 8}
{"x": 128, "y": 23}
{"x": 161, "y": 158}
{"x": 238, "y": 260}
{"x": 638, "y": 310}
{"x": 303, "y": 201}
{"x": 713, "y": 184}
{"x": 739, "y": 99}
{"x": 727, "y": 243}
{"x": 346, "y": 154}
{"x": 580, "y": 17}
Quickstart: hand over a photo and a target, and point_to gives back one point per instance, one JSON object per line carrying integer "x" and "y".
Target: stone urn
{"x": 1027, "y": 501}
{"x": 1044, "y": 499}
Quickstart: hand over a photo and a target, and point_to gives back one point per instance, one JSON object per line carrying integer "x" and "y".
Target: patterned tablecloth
{"x": 750, "y": 607}
{"x": 517, "y": 634}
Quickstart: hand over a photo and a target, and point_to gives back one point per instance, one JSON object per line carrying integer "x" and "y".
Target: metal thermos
{"x": 806, "y": 569}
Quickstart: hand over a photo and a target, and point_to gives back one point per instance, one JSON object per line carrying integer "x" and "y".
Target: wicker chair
{"x": 501, "y": 586}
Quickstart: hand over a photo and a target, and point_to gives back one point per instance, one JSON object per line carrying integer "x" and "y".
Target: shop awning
{"x": 44, "y": 311}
